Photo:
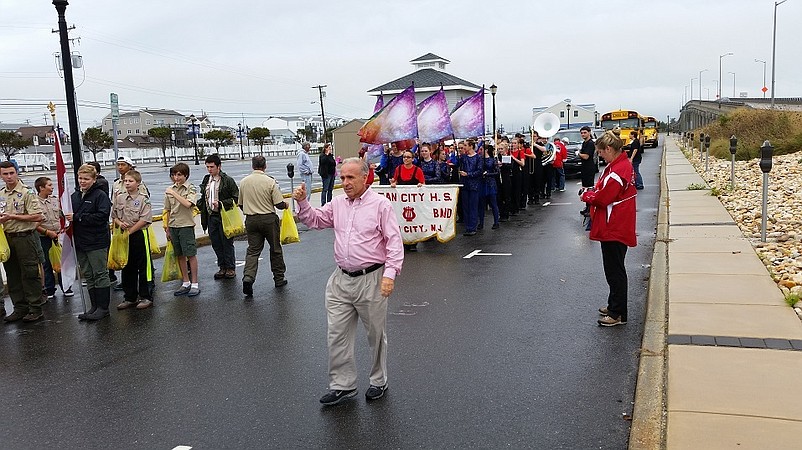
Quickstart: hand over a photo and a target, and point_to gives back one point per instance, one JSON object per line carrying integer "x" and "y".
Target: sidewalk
{"x": 726, "y": 364}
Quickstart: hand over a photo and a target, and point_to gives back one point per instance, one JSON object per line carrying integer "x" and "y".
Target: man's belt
{"x": 18, "y": 233}
{"x": 364, "y": 271}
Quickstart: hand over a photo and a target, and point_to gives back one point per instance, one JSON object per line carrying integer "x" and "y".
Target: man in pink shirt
{"x": 369, "y": 254}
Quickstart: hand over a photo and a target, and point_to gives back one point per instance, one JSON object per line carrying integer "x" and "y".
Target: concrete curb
{"x": 648, "y": 431}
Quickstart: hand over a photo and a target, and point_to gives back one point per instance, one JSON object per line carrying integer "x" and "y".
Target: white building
{"x": 429, "y": 76}
{"x": 571, "y": 115}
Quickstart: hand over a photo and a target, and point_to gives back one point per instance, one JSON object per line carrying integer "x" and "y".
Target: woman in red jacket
{"x": 612, "y": 202}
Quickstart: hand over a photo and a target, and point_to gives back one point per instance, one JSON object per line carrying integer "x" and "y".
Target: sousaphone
{"x": 547, "y": 125}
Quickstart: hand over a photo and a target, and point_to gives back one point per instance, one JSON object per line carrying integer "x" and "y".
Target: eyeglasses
{"x": 407, "y": 157}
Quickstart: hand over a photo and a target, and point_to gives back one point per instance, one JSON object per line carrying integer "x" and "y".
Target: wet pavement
{"x": 487, "y": 351}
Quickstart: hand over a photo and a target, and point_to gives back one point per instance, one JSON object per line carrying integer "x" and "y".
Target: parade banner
{"x": 434, "y": 122}
{"x": 423, "y": 212}
{"x": 375, "y": 150}
{"x": 396, "y": 121}
{"x": 468, "y": 117}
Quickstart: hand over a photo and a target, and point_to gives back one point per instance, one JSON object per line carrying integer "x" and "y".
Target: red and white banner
{"x": 424, "y": 212}
{"x": 68, "y": 258}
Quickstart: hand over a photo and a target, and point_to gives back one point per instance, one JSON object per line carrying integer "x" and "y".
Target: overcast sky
{"x": 237, "y": 57}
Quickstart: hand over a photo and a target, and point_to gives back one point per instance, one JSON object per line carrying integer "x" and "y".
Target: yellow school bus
{"x": 626, "y": 120}
{"x": 650, "y": 132}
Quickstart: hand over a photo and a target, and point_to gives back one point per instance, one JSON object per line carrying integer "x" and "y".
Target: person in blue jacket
{"x": 471, "y": 167}
{"x": 489, "y": 192}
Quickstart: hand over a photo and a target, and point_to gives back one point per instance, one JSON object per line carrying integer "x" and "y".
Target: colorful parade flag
{"x": 468, "y": 117}
{"x": 396, "y": 121}
{"x": 434, "y": 122}
{"x": 68, "y": 258}
{"x": 375, "y": 150}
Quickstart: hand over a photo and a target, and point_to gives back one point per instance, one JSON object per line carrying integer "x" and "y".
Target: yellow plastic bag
{"x": 118, "y": 251}
{"x": 5, "y": 250}
{"x": 289, "y": 232}
{"x": 170, "y": 270}
{"x": 232, "y": 222}
{"x": 152, "y": 243}
{"x": 55, "y": 256}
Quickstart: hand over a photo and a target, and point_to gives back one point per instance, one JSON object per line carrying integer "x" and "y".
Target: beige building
{"x": 346, "y": 141}
{"x": 138, "y": 123}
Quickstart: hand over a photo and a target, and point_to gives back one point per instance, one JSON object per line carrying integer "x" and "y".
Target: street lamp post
{"x": 764, "y": 76}
{"x": 172, "y": 147}
{"x": 568, "y": 107}
{"x": 700, "y": 83}
{"x": 691, "y": 91}
{"x": 733, "y": 83}
{"x": 719, "y": 72}
{"x": 493, "y": 90}
{"x": 193, "y": 119}
{"x": 773, "y": 51}
{"x": 239, "y": 133}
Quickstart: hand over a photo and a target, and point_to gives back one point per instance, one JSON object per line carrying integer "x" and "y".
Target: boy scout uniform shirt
{"x": 179, "y": 215}
{"x": 52, "y": 213}
{"x": 119, "y": 188}
{"x": 258, "y": 194}
{"x": 132, "y": 208}
{"x": 20, "y": 200}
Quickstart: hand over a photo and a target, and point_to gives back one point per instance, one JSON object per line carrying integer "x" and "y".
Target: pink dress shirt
{"x": 365, "y": 231}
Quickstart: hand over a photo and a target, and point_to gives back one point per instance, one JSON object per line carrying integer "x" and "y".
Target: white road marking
{"x": 182, "y": 447}
{"x": 242, "y": 263}
{"x": 479, "y": 253}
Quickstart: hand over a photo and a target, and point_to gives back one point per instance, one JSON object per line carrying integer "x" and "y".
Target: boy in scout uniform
{"x": 49, "y": 230}
{"x": 131, "y": 211}
{"x": 20, "y": 212}
{"x": 124, "y": 164}
{"x": 179, "y": 201}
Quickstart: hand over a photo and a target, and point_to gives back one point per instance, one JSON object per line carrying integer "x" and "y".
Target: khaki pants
{"x": 349, "y": 298}
{"x": 22, "y": 270}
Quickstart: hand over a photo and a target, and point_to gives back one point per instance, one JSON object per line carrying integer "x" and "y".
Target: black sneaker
{"x": 336, "y": 396}
{"x": 375, "y": 392}
{"x": 247, "y": 288}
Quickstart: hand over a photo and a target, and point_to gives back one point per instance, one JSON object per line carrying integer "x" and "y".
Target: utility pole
{"x": 69, "y": 87}
{"x": 322, "y": 112}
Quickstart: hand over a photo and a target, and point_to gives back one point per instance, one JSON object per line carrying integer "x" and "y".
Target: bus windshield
{"x": 631, "y": 123}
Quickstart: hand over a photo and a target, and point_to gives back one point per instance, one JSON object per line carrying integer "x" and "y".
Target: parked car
{"x": 572, "y": 165}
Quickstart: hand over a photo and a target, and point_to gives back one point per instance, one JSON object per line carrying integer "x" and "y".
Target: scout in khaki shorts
{"x": 179, "y": 201}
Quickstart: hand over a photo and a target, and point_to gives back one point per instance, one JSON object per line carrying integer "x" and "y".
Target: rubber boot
{"x": 102, "y": 300}
{"x": 92, "y": 310}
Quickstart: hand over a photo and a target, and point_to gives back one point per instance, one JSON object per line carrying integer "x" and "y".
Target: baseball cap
{"x": 126, "y": 160}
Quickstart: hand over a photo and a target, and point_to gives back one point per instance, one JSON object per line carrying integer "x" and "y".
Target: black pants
{"x": 137, "y": 275}
{"x": 613, "y": 254}
{"x": 548, "y": 180}
{"x": 505, "y": 196}
{"x": 517, "y": 189}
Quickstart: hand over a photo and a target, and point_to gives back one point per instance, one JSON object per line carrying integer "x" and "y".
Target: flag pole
{"x": 62, "y": 183}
